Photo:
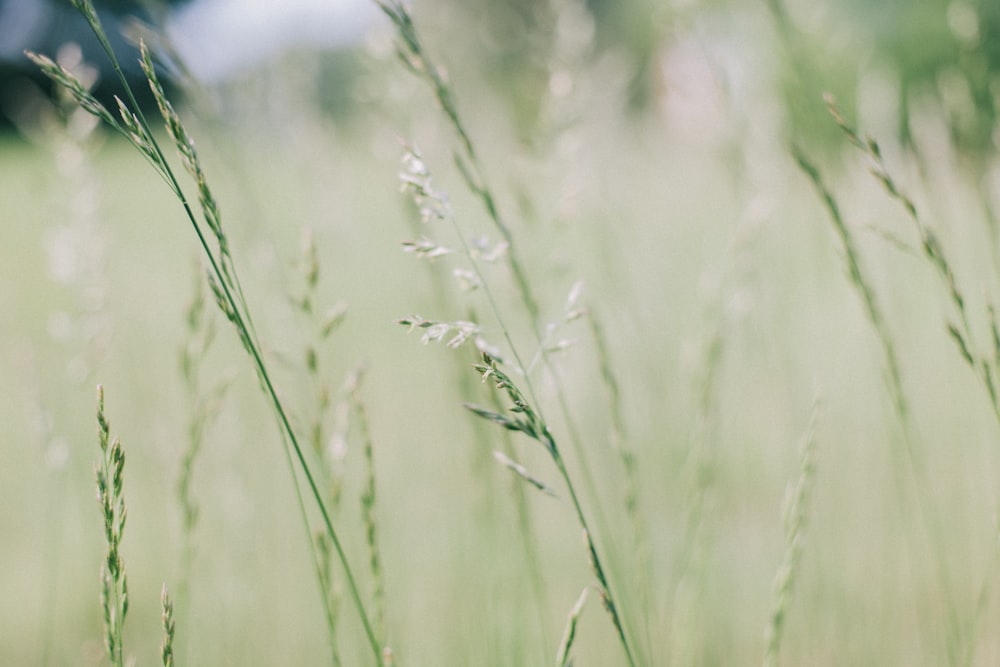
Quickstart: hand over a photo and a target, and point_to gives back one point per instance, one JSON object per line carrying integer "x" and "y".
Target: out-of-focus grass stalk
{"x": 622, "y": 446}
{"x": 984, "y": 365}
{"x": 912, "y": 458}
{"x": 368, "y": 498}
{"x": 795, "y": 513}
{"x": 205, "y": 398}
{"x": 321, "y": 326}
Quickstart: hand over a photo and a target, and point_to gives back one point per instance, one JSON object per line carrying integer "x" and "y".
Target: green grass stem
{"x": 223, "y": 278}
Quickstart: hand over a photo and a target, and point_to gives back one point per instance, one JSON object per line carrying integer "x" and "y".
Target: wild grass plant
{"x": 961, "y": 631}
{"x": 115, "y": 600}
{"x": 206, "y": 394}
{"x": 222, "y": 279}
{"x": 110, "y": 496}
{"x": 637, "y": 340}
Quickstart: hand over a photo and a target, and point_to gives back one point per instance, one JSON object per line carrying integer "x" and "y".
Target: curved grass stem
{"x": 222, "y": 277}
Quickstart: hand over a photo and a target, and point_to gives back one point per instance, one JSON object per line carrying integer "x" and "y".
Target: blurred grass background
{"x": 639, "y": 147}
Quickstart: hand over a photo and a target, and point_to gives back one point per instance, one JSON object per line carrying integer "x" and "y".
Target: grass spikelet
{"x": 426, "y": 249}
{"x": 167, "y": 648}
{"x": 67, "y": 81}
{"x": 111, "y": 498}
{"x": 368, "y": 506}
{"x": 795, "y": 512}
{"x": 453, "y": 334}
{"x": 564, "y": 654}
{"x": 523, "y": 473}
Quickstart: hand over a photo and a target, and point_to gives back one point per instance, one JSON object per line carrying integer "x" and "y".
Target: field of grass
{"x": 780, "y": 431}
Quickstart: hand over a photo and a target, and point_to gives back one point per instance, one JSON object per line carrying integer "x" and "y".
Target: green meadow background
{"x": 642, "y": 148}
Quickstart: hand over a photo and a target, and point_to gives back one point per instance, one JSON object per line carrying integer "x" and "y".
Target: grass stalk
{"x": 985, "y": 366}
{"x": 368, "y": 498}
{"x": 701, "y": 464}
{"x": 222, "y": 277}
{"x": 912, "y": 457}
{"x": 529, "y": 420}
{"x": 564, "y": 656}
{"x": 620, "y": 443}
{"x": 435, "y": 205}
{"x": 205, "y": 404}
{"x": 412, "y": 54}
{"x": 322, "y": 327}
{"x": 795, "y": 512}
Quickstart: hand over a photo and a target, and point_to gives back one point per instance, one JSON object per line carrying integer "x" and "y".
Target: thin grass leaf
{"x": 523, "y": 473}
{"x": 795, "y": 512}
{"x": 497, "y": 418}
{"x": 564, "y": 654}
{"x": 963, "y": 346}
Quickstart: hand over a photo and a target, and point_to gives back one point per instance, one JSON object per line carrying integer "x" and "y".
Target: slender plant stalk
{"x": 205, "y": 404}
{"x": 630, "y": 465}
{"x": 912, "y": 455}
{"x": 796, "y": 512}
{"x": 322, "y": 326}
{"x": 63, "y": 130}
{"x": 984, "y": 365}
{"x": 701, "y": 461}
{"x": 222, "y": 276}
{"x": 368, "y": 498}
{"x": 435, "y": 205}
{"x": 529, "y": 420}
{"x": 412, "y": 54}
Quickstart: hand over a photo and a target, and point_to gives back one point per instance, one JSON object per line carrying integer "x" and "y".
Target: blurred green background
{"x": 641, "y": 147}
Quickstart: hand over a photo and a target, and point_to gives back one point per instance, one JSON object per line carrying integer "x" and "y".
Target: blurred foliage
{"x": 809, "y": 66}
{"x": 517, "y": 41}
{"x": 638, "y": 27}
{"x": 939, "y": 51}
{"x": 948, "y": 50}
